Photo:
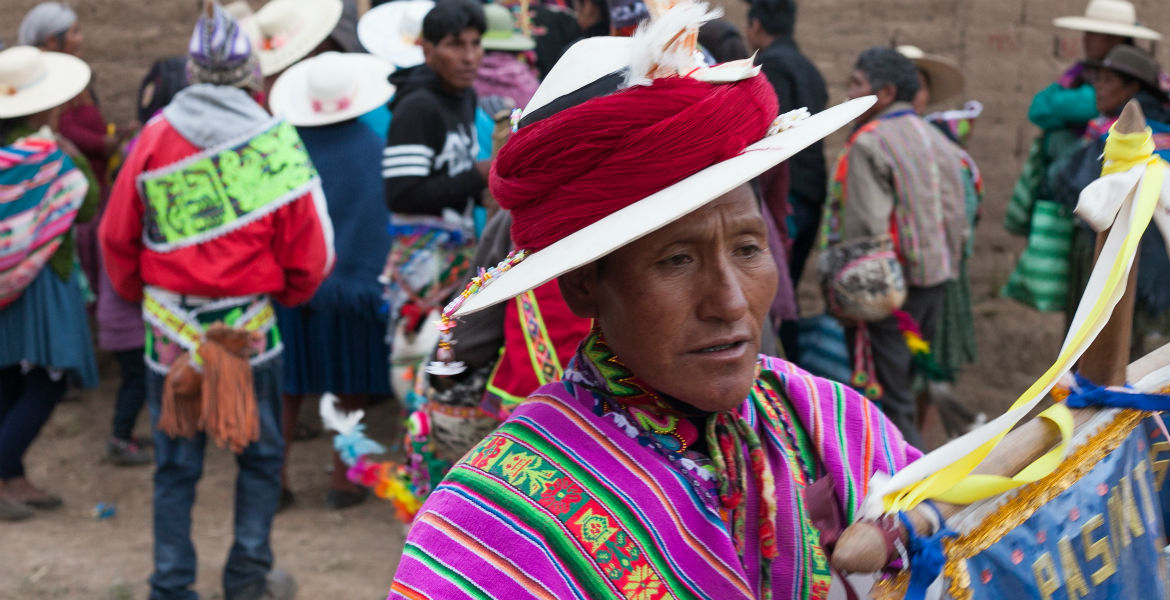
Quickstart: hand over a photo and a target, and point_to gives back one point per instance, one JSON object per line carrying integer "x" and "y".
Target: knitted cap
{"x": 220, "y": 53}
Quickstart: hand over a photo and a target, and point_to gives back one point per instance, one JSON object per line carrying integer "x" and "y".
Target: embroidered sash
{"x": 175, "y": 326}
{"x": 225, "y": 188}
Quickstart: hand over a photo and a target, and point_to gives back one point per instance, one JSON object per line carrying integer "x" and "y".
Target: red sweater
{"x": 286, "y": 253}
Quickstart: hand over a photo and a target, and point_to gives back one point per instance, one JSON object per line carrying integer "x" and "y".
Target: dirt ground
{"x": 1009, "y": 51}
{"x": 70, "y": 554}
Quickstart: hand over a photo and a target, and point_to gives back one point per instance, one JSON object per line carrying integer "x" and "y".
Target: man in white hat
{"x": 217, "y": 212}
{"x": 672, "y": 460}
{"x": 1105, "y": 24}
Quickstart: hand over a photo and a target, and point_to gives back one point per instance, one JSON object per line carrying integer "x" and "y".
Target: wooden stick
{"x": 861, "y": 548}
{"x": 1105, "y": 360}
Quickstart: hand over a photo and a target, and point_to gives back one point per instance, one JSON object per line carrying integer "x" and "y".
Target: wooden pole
{"x": 1105, "y": 360}
{"x": 861, "y": 549}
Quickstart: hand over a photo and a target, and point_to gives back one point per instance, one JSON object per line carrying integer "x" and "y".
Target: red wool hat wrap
{"x": 584, "y": 163}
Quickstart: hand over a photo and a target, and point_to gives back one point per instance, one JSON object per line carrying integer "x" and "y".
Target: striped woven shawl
{"x": 41, "y": 191}
{"x": 561, "y": 502}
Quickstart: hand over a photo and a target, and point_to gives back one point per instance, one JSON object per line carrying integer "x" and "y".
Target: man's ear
{"x": 579, "y": 289}
{"x": 887, "y": 94}
{"x": 428, "y": 48}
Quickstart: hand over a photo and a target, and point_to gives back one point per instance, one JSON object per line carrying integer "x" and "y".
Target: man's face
{"x": 859, "y": 86}
{"x": 455, "y": 59}
{"x": 922, "y": 96}
{"x": 1097, "y": 45}
{"x": 754, "y": 34}
{"x": 1112, "y": 91}
{"x": 685, "y": 306}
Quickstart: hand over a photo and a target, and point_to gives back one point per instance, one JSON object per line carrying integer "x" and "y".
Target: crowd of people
{"x": 309, "y": 189}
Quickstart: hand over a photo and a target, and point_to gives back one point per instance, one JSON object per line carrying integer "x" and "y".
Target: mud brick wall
{"x": 1008, "y": 49}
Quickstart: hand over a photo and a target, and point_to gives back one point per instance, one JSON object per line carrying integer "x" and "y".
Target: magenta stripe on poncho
{"x": 560, "y": 502}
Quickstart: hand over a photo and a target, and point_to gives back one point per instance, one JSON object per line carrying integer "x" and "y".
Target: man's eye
{"x": 676, "y": 260}
{"x": 748, "y": 250}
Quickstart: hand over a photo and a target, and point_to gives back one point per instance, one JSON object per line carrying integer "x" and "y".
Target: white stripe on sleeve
{"x": 401, "y": 149}
{"x": 406, "y": 161}
{"x": 405, "y": 172}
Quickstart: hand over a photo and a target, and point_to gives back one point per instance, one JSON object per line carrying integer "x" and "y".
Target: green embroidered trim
{"x": 620, "y": 382}
{"x": 168, "y": 333}
{"x": 220, "y": 190}
{"x": 607, "y": 534}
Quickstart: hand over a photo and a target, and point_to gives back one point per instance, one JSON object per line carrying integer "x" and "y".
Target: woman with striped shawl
{"x": 44, "y": 334}
{"x": 672, "y": 460}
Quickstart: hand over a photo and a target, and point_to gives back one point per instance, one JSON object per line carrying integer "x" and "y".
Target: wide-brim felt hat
{"x": 32, "y": 80}
{"x": 285, "y": 31}
{"x": 583, "y": 65}
{"x": 501, "y": 33}
{"x": 946, "y": 79}
{"x": 331, "y": 88}
{"x": 1113, "y": 17}
{"x": 392, "y": 31}
{"x": 1132, "y": 61}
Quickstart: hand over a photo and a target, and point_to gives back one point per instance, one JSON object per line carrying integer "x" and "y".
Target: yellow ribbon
{"x": 954, "y": 483}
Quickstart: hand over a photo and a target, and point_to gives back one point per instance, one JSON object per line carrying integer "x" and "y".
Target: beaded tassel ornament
{"x": 446, "y": 365}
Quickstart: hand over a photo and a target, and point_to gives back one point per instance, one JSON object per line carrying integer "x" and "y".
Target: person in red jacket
{"x": 217, "y": 210}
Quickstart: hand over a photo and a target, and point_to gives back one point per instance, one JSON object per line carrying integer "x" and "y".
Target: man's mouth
{"x": 720, "y": 347}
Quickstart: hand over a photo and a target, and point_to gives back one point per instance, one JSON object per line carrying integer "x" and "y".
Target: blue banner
{"x": 1101, "y": 538}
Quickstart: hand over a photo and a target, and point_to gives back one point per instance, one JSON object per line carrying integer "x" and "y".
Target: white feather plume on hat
{"x": 668, "y": 45}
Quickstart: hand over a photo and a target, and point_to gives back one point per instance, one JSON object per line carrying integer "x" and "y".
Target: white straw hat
{"x": 32, "y": 80}
{"x": 331, "y": 88}
{"x": 392, "y": 31}
{"x": 285, "y": 31}
{"x": 946, "y": 80}
{"x": 1114, "y": 17}
{"x": 582, "y": 65}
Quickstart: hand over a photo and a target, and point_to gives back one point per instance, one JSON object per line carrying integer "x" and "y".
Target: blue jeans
{"x": 178, "y": 467}
{"x": 131, "y": 392}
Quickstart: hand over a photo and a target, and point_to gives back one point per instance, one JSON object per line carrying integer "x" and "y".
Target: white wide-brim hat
{"x": 946, "y": 79}
{"x": 32, "y": 80}
{"x": 1114, "y": 17}
{"x": 285, "y": 31}
{"x": 583, "y": 64}
{"x": 331, "y": 88}
{"x": 392, "y": 31}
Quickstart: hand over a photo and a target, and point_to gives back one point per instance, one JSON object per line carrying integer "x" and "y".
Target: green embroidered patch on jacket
{"x": 223, "y": 189}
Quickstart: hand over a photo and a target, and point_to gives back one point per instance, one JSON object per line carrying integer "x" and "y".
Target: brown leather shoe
{"x": 14, "y": 511}
{"x": 22, "y": 490}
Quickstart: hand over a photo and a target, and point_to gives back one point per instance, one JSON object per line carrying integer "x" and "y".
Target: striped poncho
{"x": 41, "y": 191}
{"x": 568, "y": 500}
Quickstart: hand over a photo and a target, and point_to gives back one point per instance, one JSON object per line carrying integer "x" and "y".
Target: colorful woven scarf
{"x": 41, "y": 191}
{"x": 669, "y": 426}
